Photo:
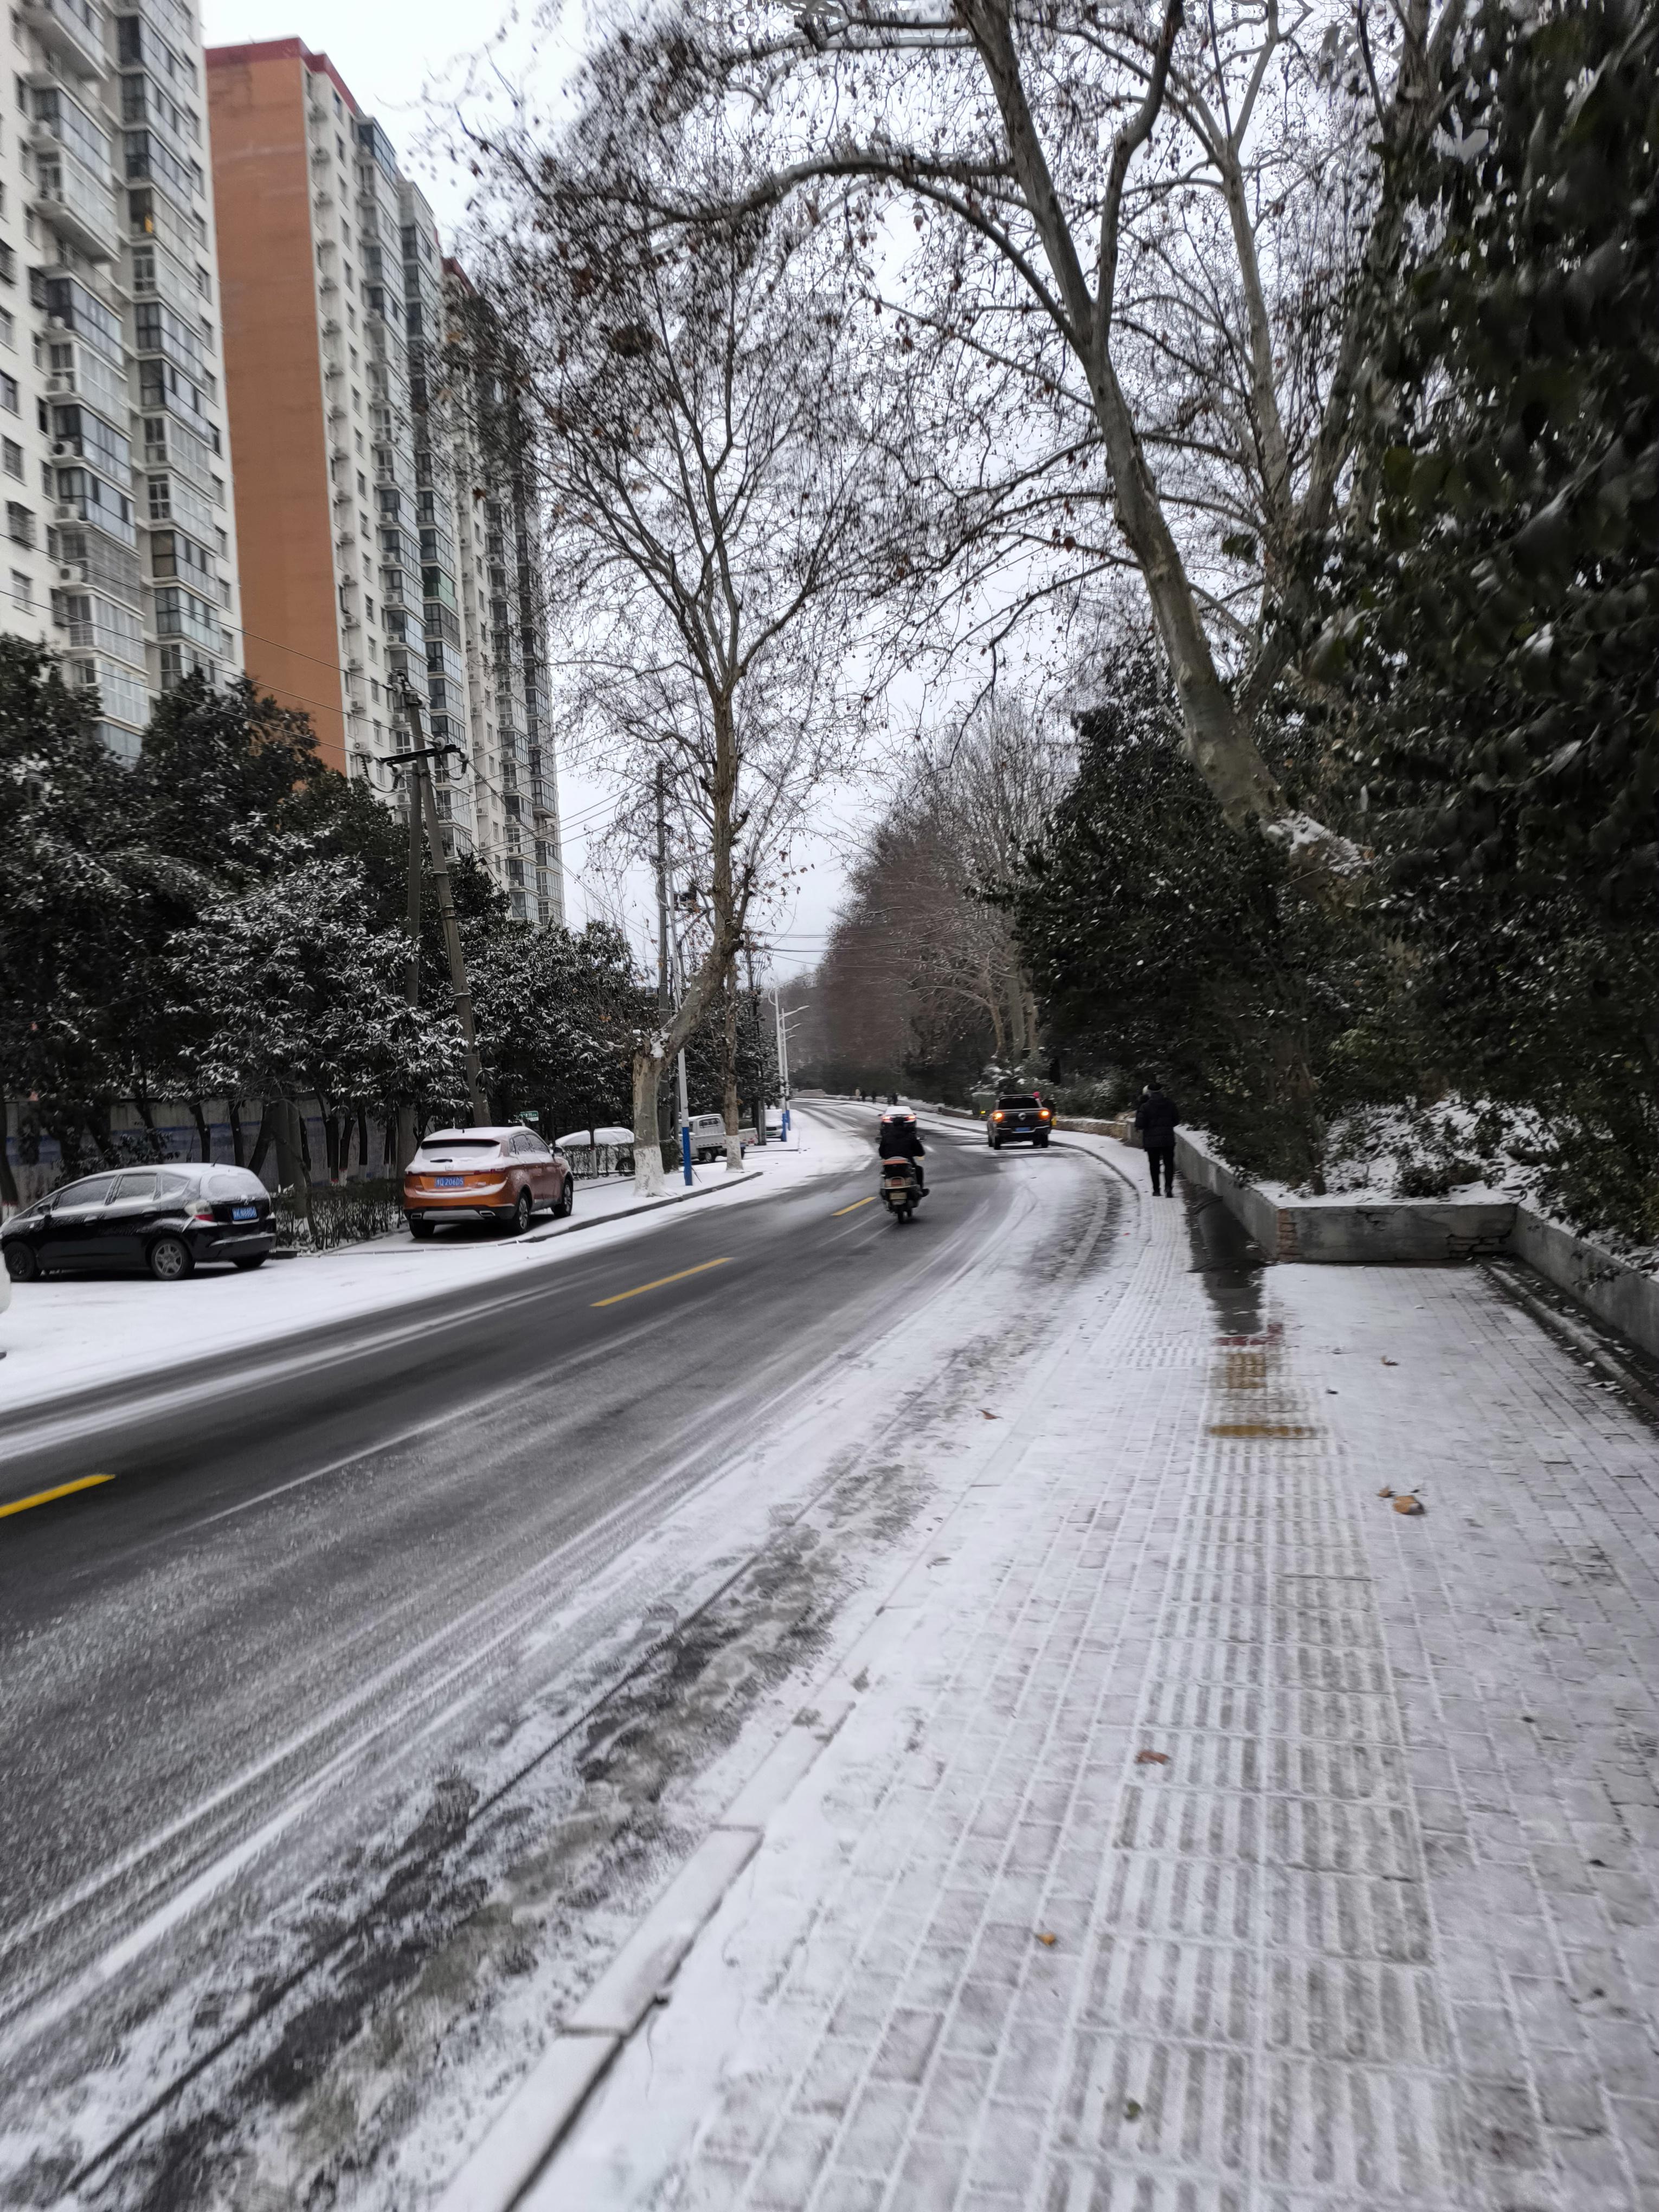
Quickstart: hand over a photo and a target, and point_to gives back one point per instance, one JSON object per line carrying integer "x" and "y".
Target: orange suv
{"x": 504, "y": 1175}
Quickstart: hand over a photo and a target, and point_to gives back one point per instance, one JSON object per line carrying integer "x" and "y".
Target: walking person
{"x": 1156, "y": 1118}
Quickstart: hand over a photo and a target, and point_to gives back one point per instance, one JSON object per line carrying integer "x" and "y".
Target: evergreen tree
{"x": 1492, "y": 610}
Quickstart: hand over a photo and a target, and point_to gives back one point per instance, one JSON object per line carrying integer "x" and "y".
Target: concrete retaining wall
{"x": 1333, "y": 1234}
{"x": 1623, "y": 1296}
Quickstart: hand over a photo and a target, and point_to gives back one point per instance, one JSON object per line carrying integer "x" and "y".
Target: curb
{"x": 528, "y": 2129}
{"x": 1508, "y": 1274}
{"x": 645, "y": 1206}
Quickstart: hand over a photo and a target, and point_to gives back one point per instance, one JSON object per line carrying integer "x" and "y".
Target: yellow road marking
{"x": 46, "y": 1497}
{"x": 853, "y": 1207}
{"x": 617, "y": 1299}
{"x": 1257, "y": 1429}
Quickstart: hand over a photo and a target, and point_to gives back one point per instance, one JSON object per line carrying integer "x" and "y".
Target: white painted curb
{"x": 527, "y": 2129}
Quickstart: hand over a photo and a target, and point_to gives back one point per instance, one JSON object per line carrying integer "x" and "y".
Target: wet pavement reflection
{"x": 1227, "y": 1259}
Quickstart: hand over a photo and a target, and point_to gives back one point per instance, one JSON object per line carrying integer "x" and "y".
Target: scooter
{"x": 901, "y": 1188}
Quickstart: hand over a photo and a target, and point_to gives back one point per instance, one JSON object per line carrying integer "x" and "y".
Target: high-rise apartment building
{"x": 120, "y": 547}
{"x": 386, "y": 517}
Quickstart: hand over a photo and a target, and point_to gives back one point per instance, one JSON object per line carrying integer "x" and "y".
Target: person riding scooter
{"x": 899, "y": 1139}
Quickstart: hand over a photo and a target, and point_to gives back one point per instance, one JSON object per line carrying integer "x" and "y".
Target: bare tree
{"x": 1146, "y": 222}
{"x": 711, "y": 460}
{"x": 922, "y": 963}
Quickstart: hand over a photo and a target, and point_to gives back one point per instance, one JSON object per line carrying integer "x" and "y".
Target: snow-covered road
{"x": 73, "y": 1334}
{"x": 351, "y": 1725}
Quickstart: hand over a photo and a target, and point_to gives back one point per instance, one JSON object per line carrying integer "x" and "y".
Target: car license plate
{"x": 245, "y": 1213}
{"x": 447, "y": 1182}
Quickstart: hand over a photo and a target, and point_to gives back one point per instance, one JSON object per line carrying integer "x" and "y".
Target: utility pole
{"x": 664, "y": 1000}
{"x": 662, "y": 893}
{"x": 754, "y": 1007}
{"x": 685, "y": 1110}
{"x": 405, "y": 1138}
{"x": 424, "y": 806}
{"x": 783, "y": 1064}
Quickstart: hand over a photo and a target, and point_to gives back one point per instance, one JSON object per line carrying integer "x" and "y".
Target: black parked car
{"x": 165, "y": 1218}
{"x": 1020, "y": 1119}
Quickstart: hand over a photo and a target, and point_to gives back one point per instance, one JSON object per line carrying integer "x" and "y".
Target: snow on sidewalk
{"x": 1342, "y": 1821}
{"x": 71, "y": 1333}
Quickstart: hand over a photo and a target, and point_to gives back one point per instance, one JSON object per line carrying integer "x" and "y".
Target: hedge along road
{"x": 293, "y": 1615}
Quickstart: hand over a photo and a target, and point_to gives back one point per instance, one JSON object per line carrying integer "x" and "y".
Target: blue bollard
{"x": 685, "y": 1151}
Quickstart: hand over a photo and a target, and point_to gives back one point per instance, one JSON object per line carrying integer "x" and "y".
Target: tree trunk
{"x": 729, "y": 1056}
{"x": 8, "y": 1180}
{"x": 265, "y": 1136}
{"x": 238, "y": 1140}
{"x": 289, "y": 1132}
{"x": 97, "y": 1122}
{"x": 331, "y": 1143}
{"x": 363, "y": 1139}
{"x": 204, "y": 1135}
{"x": 1219, "y": 741}
{"x": 405, "y": 1141}
{"x": 647, "y": 1144}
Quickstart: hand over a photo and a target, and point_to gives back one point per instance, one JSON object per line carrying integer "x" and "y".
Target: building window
{"x": 23, "y": 591}
{"x": 12, "y": 454}
{"x": 19, "y": 523}
{"x": 8, "y": 390}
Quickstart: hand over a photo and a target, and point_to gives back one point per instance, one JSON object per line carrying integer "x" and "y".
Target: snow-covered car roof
{"x": 454, "y": 1136}
{"x": 601, "y": 1136}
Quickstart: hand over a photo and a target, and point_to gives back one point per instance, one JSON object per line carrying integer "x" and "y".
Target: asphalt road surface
{"x": 361, "y": 1620}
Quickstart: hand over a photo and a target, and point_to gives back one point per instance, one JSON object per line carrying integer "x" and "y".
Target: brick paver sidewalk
{"x": 1342, "y": 1820}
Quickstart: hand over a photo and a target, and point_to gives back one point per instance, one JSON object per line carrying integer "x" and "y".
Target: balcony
{"x": 174, "y": 22}
{"x": 162, "y": 386}
{"x": 71, "y": 307}
{"x": 169, "y": 445}
{"x": 72, "y": 30}
{"x": 61, "y": 121}
{"x": 120, "y": 692}
{"x": 179, "y": 613}
{"x": 158, "y": 329}
{"x": 99, "y": 625}
{"x": 77, "y": 372}
{"x": 84, "y": 496}
{"x": 84, "y": 433}
{"x": 86, "y": 556}
{"x": 159, "y": 274}
{"x": 76, "y": 205}
{"x": 173, "y": 499}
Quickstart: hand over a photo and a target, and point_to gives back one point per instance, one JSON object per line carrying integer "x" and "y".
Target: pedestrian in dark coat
{"x": 1156, "y": 1118}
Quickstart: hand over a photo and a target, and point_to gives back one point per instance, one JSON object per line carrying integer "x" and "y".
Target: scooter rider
{"x": 899, "y": 1139}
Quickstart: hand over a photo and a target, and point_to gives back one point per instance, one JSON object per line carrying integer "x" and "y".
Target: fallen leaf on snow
{"x": 1386, "y": 1362}
{"x": 1151, "y": 1759}
{"x": 1043, "y": 1937}
{"x": 1385, "y": 1491}
{"x": 1408, "y": 1505}
{"x": 991, "y": 1417}
{"x": 1132, "y": 2110}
